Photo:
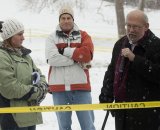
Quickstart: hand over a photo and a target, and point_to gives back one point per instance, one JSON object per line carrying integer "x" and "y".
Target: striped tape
{"x": 83, "y": 107}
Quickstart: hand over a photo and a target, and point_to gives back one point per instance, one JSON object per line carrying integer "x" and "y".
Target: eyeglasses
{"x": 134, "y": 27}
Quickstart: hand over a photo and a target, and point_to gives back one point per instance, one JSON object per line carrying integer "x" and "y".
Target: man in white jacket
{"x": 69, "y": 52}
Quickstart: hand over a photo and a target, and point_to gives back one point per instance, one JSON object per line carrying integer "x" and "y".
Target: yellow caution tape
{"x": 83, "y": 107}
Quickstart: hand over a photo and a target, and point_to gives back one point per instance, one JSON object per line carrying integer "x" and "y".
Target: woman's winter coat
{"x": 16, "y": 69}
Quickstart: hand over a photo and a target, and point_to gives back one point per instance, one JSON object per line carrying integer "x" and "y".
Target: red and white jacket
{"x": 66, "y": 71}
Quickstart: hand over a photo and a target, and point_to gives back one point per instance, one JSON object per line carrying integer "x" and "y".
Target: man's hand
{"x": 103, "y": 98}
{"x": 61, "y": 51}
{"x": 85, "y": 65}
{"x": 126, "y": 52}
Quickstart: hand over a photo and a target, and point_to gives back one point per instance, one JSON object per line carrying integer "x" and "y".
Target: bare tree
{"x": 99, "y": 12}
{"x": 39, "y": 5}
{"x": 120, "y": 17}
{"x": 80, "y": 4}
{"x": 141, "y": 5}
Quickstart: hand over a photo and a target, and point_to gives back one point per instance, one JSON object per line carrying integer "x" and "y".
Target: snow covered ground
{"x": 103, "y": 32}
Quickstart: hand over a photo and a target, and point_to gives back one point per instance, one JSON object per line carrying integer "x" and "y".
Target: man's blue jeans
{"x": 85, "y": 118}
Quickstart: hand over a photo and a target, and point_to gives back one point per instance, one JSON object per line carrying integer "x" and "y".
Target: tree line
{"x": 39, "y": 5}
{"x": 148, "y": 4}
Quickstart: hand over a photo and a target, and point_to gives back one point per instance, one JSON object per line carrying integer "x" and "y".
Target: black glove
{"x": 103, "y": 98}
{"x": 40, "y": 91}
{"x": 44, "y": 89}
{"x": 61, "y": 50}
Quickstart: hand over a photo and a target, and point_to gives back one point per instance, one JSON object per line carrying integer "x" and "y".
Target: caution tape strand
{"x": 82, "y": 107}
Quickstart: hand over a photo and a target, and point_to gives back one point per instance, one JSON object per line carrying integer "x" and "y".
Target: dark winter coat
{"x": 142, "y": 84}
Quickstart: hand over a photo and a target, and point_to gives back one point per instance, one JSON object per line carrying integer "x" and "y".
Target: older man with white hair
{"x": 134, "y": 75}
